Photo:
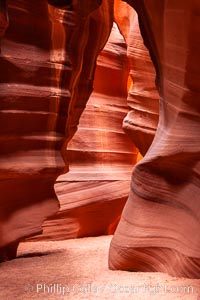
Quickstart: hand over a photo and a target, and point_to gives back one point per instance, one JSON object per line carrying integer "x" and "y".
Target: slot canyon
{"x": 100, "y": 149}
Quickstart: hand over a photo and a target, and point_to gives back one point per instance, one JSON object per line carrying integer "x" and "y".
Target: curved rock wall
{"x": 42, "y": 97}
{"x": 29, "y": 161}
{"x": 100, "y": 155}
{"x": 141, "y": 122}
{"x": 47, "y": 62}
{"x": 159, "y": 229}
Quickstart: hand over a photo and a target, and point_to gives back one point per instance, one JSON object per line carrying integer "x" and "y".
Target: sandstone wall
{"x": 159, "y": 229}
{"x": 46, "y": 78}
{"x": 141, "y": 121}
{"x": 100, "y": 155}
{"x": 47, "y": 61}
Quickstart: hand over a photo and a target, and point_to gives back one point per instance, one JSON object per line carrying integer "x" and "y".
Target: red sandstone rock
{"x": 101, "y": 157}
{"x": 159, "y": 229}
{"x": 29, "y": 160}
{"x": 57, "y": 48}
{"x": 141, "y": 121}
{"x": 42, "y": 97}
{"x": 99, "y": 150}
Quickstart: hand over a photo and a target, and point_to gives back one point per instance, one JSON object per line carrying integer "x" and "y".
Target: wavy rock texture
{"x": 101, "y": 157}
{"x": 42, "y": 88}
{"x": 47, "y": 63}
{"x": 159, "y": 229}
{"x": 141, "y": 122}
{"x": 28, "y": 158}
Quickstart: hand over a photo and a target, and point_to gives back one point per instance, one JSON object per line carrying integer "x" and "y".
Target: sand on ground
{"x": 78, "y": 269}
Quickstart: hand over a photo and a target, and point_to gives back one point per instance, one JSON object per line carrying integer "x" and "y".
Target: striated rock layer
{"x": 160, "y": 225}
{"x": 47, "y": 67}
{"x": 29, "y": 160}
{"x": 47, "y": 62}
{"x": 141, "y": 122}
{"x": 100, "y": 155}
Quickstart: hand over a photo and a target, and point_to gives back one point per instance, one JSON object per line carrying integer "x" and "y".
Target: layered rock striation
{"x": 46, "y": 78}
{"x": 29, "y": 160}
{"x": 47, "y": 61}
{"x": 100, "y": 155}
{"x": 141, "y": 121}
{"x": 159, "y": 229}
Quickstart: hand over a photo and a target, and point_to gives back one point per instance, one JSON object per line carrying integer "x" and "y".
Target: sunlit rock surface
{"x": 101, "y": 156}
{"x": 141, "y": 122}
{"x": 159, "y": 229}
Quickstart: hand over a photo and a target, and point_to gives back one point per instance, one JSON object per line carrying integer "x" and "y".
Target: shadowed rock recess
{"x": 48, "y": 56}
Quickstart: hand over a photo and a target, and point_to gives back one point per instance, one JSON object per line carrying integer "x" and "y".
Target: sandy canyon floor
{"x": 77, "y": 269}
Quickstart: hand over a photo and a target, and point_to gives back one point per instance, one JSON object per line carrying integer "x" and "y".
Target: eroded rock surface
{"x": 141, "y": 122}
{"x": 47, "y": 69}
{"x": 47, "y": 62}
{"x": 100, "y": 155}
{"x": 159, "y": 229}
{"x": 29, "y": 161}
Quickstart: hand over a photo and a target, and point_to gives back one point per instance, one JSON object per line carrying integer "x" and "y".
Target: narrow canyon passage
{"x": 99, "y": 156}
